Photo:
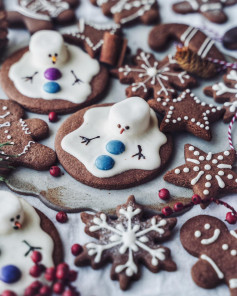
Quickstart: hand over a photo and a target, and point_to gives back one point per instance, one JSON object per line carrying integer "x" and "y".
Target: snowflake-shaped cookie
{"x": 152, "y": 78}
{"x": 208, "y": 174}
{"x": 127, "y": 241}
{"x": 225, "y": 93}
{"x": 187, "y": 113}
{"x": 211, "y": 9}
{"x": 130, "y": 11}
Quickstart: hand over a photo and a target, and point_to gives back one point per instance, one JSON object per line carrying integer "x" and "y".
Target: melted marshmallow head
{"x": 11, "y": 213}
{"x": 48, "y": 49}
{"x": 129, "y": 117}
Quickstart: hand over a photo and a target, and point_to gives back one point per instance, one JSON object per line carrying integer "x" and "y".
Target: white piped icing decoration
{"x": 103, "y": 121}
{"x": 212, "y": 239}
{"x": 71, "y": 61}
{"x": 214, "y": 266}
{"x": 225, "y": 247}
{"x": 233, "y": 252}
{"x": 14, "y": 210}
{"x": 197, "y": 233}
{"x": 207, "y": 226}
{"x": 233, "y": 283}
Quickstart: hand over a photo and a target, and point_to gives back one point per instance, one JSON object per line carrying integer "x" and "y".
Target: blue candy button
{"x": 51, "y": 87}
{"x": 104, "y": 162}
{"x": 10, "y": 274}
{"x": 115, "y": 147}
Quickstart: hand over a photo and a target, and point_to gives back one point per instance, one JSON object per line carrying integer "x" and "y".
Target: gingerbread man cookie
{"x": 39, "y": 15}
{"x": 23, "y": 230}
{"x": 225, "y": 93}
{"x": 150, "y": 78}
{"x": 52, "y": 75}
{"x": 126, "y": 241}
{"x": 113, "y": 146}
{"x": 208, "y": 174}
{"x": 187, "y": 113}
{"x": 208, "y": 238}
{"x": 129, "y": 11}
{"x": 210, "y": 9}
{"x": 22, "y": 135}
{"x": 189, "y": 36}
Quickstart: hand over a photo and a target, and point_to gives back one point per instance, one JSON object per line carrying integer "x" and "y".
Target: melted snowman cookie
{"x": 209, "y": 239}
{"x": 23, "y": 230}
{"x": 113, "y": 146}
{"x": 52, "y": 75}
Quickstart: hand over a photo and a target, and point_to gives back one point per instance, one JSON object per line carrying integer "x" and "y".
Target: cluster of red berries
{"x": 231, "y": 217}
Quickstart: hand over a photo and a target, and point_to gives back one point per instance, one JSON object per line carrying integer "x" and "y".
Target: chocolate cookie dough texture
{"x": 213, "y": 10}
{"x": 3, "y": 28}
{"x": 38, "y": 15}
{"x": 24, "y": 229}
{"x": 113, "y": 146}
{"x": 52, "y": 75}
{"x": 189, "y": 36}
{"x": 127, "y": 12}
{"x": 22, "y": 136}
{"x": 126, "y": 242}
{"x": 225, "y": 92}
{"x": 208, "y": 239}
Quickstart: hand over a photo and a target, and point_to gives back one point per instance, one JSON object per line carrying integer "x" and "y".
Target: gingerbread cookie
{"x": 207, "y": 174}
{"x": 213, "y": 10}
{"x": 127, "y": 241}
{"x": 126, "y": 12}
{"x": 22, "y": 134}
{"x": 189, "y": 36}
{"x": 225, "y": 93}
{"x": 38, "y": 15}
{"x": 52, "y": 76}
{"x": 230, "y": 39}
{"x": 113, "y": 146}
{"x": 150, "y": 78}
{"x": 209, "y": 239}
{"x": 24, "y": 229}
{"x": 187, "y": 113}
{"x": 3, "y": 28}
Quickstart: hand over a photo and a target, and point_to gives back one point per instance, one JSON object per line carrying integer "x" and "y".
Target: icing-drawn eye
{"x": 197, "y": 233}
{"x": 119, "y": 125}
{"x": 127, "y": 127}
{"x": 12, "y": 219}
{"x": 50, "y": 55}
{"x": 207, "y": 226}
{"x": 55, "y": 54}
{"x": 18, "y": 217}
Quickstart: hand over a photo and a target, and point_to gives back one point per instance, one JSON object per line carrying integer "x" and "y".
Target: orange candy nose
{"x": 17, "y": 224}
{"x": 54, "y": 59}
{"x": 122, "y": 130}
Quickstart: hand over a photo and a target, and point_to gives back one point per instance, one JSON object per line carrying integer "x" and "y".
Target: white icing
{"x": 69, "y": 58}
{"x": 150, "y": 73}
{"x": 12, "y": 247}
{"x": 233, "y": 252}
{"x": 233, "y": 283}
{"x": 103, "y": 121}
{"x": 232, "y": 75}
{"x": 225, "y": 247}
{"x": 212, "y": 239}
{"x": 207, "y": 226}
{"x": 128, "y": 238}
{"x": 197, "y": 233}
{"x": 220, "y": 89}
{"x": 214, "y": 266}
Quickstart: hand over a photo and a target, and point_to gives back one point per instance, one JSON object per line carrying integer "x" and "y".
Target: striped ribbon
{"x": 230, "y": 131}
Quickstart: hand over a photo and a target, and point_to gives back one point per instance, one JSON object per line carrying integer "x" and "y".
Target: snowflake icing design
{"x": 127, "y": 239}
{"x": 161, "y": 76}
{"x": 207, "y": 173}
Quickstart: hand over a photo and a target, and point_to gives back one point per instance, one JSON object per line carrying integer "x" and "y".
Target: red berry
{"x": 35, "y": 271}
{"x": 8, "y": 293}
{"x": 167, "y": 211}
{"x": 231, "y": 218}
{"x": 29, "y": 291}
{"x": 61, "y": 274}
{"x": 53, "y": 117}
{"x": 196, "y": 199}
{"x": 58, "y": 288}
{"x": 42, "y": 267}
{"x": 68, "y": 293}
{"x": 178, "y": 206}
{"x": 36, "y": 285}
{"x": 72, "y": 275}
{"x": 76, "y": 249}
{"x": 45, "y": 291}
{"x": 61, "y": 217}
{"x": 55, "y": 171}
{"x": 36, "y": 256}
{"x": 164, "y": 194}
{"x": 50, "y": 274}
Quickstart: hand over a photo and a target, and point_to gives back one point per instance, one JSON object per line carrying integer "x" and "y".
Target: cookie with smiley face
{"x": 24, "y": 229}
{"x": 209, "y": 239}
{"x": 52, "y": 75}
{"x": 113, "y": 146}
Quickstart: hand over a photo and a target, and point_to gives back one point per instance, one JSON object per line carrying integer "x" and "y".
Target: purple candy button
{"x": 52, "y": 74}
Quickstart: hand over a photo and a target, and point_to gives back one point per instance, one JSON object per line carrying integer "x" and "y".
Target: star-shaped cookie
{"x": 207, "y": 174}
{"x": 187, "y": 113}
{"x": 150, "y": 78}
{"x": 225, "y": 93}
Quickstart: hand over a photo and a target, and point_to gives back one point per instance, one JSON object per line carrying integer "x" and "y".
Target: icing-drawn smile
{"x": 212, "y": 239}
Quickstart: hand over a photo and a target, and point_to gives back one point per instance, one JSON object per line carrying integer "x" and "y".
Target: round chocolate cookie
{"x": 52, "y": 75}
{"x": 113, "y": 146}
